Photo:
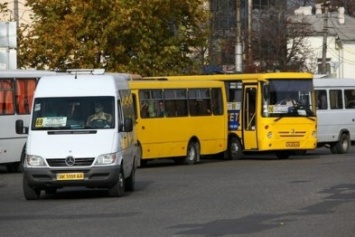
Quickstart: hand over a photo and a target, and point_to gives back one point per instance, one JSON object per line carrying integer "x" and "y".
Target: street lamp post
{"x": 238, "y": 45}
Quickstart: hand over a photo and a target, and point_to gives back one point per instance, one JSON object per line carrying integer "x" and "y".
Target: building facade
{"x": 332, "y": 41}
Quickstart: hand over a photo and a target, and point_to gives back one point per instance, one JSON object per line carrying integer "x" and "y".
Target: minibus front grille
{"x": 61, "y": 162}
{"x": 287, "y": 134}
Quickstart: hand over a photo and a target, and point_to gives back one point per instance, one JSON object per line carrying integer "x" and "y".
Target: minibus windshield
{"x": 63, "y": 113}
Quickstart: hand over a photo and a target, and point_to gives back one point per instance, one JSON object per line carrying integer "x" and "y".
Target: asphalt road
{"x": 310, "y": 195}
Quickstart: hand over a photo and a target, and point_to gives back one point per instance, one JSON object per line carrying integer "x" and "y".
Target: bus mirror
{"x": 127, "y": 126}
{"x": 20, "y": 129}
{"x": 266, "y": 92}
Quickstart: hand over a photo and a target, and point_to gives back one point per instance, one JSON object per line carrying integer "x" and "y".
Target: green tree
{"x": 3, "y": 10}
{"x": 150, "y": 37}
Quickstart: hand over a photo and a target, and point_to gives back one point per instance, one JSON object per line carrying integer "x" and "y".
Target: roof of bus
{"x": 81, "y": 85}
{"x": 144, "y": 84}
{"x": 247, "y": 76}
{"x": 22, "y": 73}
{"x": 334, "y": 82}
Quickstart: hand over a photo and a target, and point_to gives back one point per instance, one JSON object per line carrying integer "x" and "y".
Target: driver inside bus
{"x": 99, "y": 117}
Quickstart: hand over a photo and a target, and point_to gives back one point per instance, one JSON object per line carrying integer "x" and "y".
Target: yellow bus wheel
{"x": 193, "y": 153}
{"x": 235, "y": 149}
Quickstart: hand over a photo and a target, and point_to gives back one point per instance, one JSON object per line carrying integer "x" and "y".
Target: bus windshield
{"x": 289, "y": 97}
{"x": 73, "y": 113}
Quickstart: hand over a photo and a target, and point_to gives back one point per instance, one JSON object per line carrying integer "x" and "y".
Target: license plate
{"x": 292, "y": 144}
{"x": 70, "y": 176}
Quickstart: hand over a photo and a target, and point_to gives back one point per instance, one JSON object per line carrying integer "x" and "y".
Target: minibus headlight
{"x": 269, "y": 135}
{"x": 314, "y": 134}
{"x": 106, "y": 159}
{"x": 34, "y": 161}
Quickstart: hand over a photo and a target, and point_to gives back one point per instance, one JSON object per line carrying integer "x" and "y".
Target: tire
{"x": 283, "y": 155}
{"x": 235, "y": 149}
{"x": 193, "y": 153}
{"x": 29, "y": 192}
{"x": 131, "y": 180}
{"x": 19, "y": 168}
{"x": 343, "y": 145}
{"x": 117, "y": 190}
{"x": 333, "y": 148}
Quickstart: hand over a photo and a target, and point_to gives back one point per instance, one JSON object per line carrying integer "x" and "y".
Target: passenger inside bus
{"x": 145, "y": 109}
{"x": 161, "y": 112}
{"x": 322, "y": 100}
{"x": 290, "y": 102}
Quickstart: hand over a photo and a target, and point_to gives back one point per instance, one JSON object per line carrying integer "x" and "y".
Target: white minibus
{"x": 16, "y": 94}
{"x": 81, "y": 133}
{"x": 335, "y": 113}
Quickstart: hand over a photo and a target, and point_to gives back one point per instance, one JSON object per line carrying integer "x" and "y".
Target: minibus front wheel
{"x": 118, "y": 188}
{"x": 131, "y": 179}
{"x": 30, "y": 192}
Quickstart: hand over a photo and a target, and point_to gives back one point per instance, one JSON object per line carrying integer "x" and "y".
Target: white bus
{"x": 336, "y": 113}
{"x": 16, "y": 93}
{"x": 81, "y": 133}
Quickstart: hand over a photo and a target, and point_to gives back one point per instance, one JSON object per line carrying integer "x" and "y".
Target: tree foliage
{"x": 278, "y": 40}
{"x": 147, "y": 37}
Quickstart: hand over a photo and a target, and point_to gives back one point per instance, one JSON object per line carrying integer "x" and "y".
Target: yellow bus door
{"x": 249, "y": 122}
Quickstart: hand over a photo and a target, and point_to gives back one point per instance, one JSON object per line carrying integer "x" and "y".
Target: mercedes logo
{"x": 70, "y": 161}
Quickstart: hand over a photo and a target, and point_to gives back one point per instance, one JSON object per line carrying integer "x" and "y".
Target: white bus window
{"x": 349, "y": 99}
{"x": 321, "y": 96}
{"x": 336, "y": 99}
{"x": 24, "y": 94}
{"x": 7, "y": 97}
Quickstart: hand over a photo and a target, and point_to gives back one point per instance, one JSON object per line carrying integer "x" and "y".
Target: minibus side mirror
{"x": 127, "y": 126}
{"x": 20, "y": 128}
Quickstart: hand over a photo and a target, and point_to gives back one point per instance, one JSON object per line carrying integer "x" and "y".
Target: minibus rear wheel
{"x": 343, "y": 144}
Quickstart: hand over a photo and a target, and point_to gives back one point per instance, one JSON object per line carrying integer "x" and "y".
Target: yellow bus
{"x": 180, "y": 120}
{"x": 267, "y": 112}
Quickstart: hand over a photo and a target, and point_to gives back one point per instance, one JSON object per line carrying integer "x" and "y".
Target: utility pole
{"x": 238, "y": 44}
{"x": 325, "y": 36}
{"x": 250, "y": 22}
{"x": 16, "y": 14}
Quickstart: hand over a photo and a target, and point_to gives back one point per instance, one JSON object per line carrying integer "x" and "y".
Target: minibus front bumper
{"x": 93, "y": 177}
